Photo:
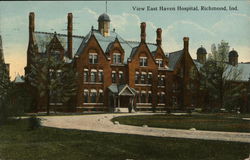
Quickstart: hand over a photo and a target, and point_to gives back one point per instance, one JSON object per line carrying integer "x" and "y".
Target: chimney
{"x": 143, "y": 32}
{"x": 185, "y": 40}
{"x": 158, "y": 38}
{"x": 31, "y": 24}
{"x": 70, "y": 28}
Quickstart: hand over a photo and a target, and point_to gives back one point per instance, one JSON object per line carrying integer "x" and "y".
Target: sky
{"x": 202, "y": 27}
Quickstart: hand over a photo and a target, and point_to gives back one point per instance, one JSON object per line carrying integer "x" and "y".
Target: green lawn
{"x": 18, "y": 143}
{"x": 219, "y": 122}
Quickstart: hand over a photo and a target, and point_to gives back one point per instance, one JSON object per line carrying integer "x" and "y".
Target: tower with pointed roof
{"x": 3, "y": 66}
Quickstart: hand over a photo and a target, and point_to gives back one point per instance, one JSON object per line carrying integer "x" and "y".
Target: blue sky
{"x": 203, "y": 27}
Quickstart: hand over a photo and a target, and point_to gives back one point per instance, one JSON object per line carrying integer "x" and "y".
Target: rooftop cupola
{"x": 201, "y": 55}
{"x": 104, "y": 24}
{"x": 233, "y": 57}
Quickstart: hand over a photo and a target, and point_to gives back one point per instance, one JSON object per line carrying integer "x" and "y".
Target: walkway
{"x": 102, "y": 123}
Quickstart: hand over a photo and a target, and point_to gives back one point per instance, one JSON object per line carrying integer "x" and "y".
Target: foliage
{"x": 53, "y": 77}
{"x": 217, "y": 78}
{"x": 34, "y": 122}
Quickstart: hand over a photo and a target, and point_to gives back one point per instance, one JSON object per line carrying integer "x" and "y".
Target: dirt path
{"x": 102, "y": 123}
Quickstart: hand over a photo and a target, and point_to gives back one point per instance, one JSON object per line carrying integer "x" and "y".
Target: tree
{"x": 218, "y": 78}
{"x": 54, "y": 78}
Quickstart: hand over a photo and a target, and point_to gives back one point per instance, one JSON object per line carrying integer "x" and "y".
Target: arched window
{"x": 149, "y": 97}
{"x": 143, "y": 96}
{"x": 93, "y": 75}
{"x": 93, "y": 95}
{"x": 100, "y": 96}
{"x": 86, "y": 95}
{"x": 121, "y": 77}
{"x": 85, "y": 75}
{"x": 113, "y": 76}
{"x": 100, "y": 75}
{"x": 136, "y": 77}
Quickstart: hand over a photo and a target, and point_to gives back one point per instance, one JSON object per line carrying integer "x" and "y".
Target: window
{"x": 149, "y": 97}
{"x": 174, "y": 100}
{"x": 93, "y": 76}
{"x": 161, "y": 97}
{"x": 86, "y": 96}
{"x": 100, "y": 75}
{"x": 121, "y": 77}
{"x": 143, "y": 61}
{"x": 93, "y": 96}
{"x": 136, "y": 77}
{"x": 100, "y": 99}
{"x": 93, "y": 59}
{"x": 159, "y": 62}
{"x": 149, "y": 77}
{"x": 85, "y": 75}
{"x": 143, "y": 97}
{"x": 113, "y": 77}
{"x": 161, "y": 80}
{"x": 116, "y": 58}
{"x": 143, "y": 78}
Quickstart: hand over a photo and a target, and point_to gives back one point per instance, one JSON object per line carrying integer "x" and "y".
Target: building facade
{"x": 115, "y": 74}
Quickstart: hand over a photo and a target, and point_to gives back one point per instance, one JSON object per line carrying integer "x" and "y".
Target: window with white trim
{"x": 113, "y": 76}
{"x": 121, "y": 77}
{"x": 161, "y": 80}
{"x": 143, "y": 97}
{"x": 159, "y": 62}
{"x": 116, "y": 58}
{"x": 93, "y": 95}
{"x": 100, "y": 75}
{"x": 85, "y": 75}
{"x": 93, "y": 58}
{"x": 100, "y": 96}
{"x": 143, "y": 61}
{"x": 161, "y": 97}
{"x": 137, "y": 77}
{"x": 149, "y": 77}
{"x": 149, "y": 97}
{"x": 93, "y": 75}
{"x": 86, "y": 95}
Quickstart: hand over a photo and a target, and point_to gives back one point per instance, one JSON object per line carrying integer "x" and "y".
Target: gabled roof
{"x": 42, "y": 39}
{"x": 174, "y": 57}
{"x": 118, "y": 89}
{"x": 18, "y": 79}
{"x": 106, "y": 42}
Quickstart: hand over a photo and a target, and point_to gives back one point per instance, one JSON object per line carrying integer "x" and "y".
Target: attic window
{"x": 93, "y": 59}
{"x": 116, "y": 58}
{"x": 159, "y": 62}
{"x": 143, "y": 61}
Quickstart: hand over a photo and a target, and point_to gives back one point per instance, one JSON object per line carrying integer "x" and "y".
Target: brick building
{"x": 116, "y": 74}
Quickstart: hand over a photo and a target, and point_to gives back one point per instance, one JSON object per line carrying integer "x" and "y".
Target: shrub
{"x": 34, "y": 122}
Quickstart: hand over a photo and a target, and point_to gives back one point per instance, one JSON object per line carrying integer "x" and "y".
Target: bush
{"x": 34, "y": 122}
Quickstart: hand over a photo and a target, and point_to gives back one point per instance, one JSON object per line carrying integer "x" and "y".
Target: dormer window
{"x": 117, "y": 58}
{"x": 143, "y": 61}
{"x": 159, "y": 62}
{"x": 93, "y": 59}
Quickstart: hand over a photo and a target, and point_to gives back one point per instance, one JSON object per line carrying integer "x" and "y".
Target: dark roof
{"x": 174, "y": 57}
{"x": 201, "y": 50}
{"x": 42, "y": 39}
{"x": 233, "y": 53}
{"x": 107, "y": 41}
{"x": 104, "y": 17}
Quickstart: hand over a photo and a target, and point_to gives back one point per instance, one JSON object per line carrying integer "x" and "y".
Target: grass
{"x": 19, "y": 143}
{"x": 220, "y": 122}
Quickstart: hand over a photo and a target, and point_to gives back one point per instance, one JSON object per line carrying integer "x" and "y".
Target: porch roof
{"x": 119, "y": 89}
